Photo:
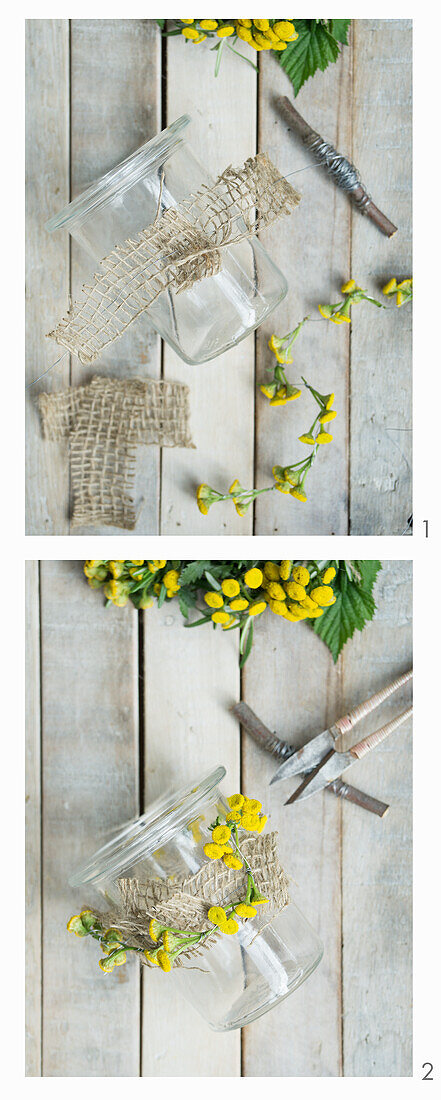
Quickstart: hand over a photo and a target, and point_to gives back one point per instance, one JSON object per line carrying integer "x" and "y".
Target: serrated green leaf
{"x": 193, "y": 572}
{"x": 354, "y": 607}
{"x": 339, "y": 29}
{"x": 315, "y": 48}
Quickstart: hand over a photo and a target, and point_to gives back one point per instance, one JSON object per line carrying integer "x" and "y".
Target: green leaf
{"x": 162, "y": 595}
{"x": 212, "y": 580}
{"x": 248, "y": 643}
{"x": 315, "y": 48}
{"x": 354, "y": 606}
{"x": 193, "y": 572}
{"x": 339, "y": 29}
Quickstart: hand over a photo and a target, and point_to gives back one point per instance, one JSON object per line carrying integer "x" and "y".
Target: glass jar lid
{"x": 120, "y": 178}
{"x": 163, "y": 819}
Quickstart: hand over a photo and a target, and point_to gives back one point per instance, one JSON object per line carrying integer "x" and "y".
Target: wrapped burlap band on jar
{"x": 184, "y": 902}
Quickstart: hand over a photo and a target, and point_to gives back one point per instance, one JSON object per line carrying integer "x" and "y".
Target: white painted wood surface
{"x": 101, "y": 670}
{"x": 118, "y": 83}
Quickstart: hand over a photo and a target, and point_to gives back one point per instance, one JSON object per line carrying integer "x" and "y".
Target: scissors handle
{"x": 343, "y": 725}
{"x": 380, "y": 735}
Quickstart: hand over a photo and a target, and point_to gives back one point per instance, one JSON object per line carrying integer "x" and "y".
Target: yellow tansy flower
{"x": 348, "y": 287}
{"x": 233, "y": 816}
{"x": 285, "y": 570}
{"x": 164, "y": 961}
{"x": 232, "y": 862}
{"x": 325, "y": 311}
{"x": 301, "y": 575}
{"x": 252, "y": 806}
{"x": 299, "y": 494}
{"x": 244, "y": 910}
{"x": 208, "y": 24}
{"x": 240, "y": 604}
{"x": 330, "y": 414}
{"x": 253, "y": 578}
{"x": 328, "y": 575}
{"x": 213, "y": 851}
{"x": 271, "y": 570}
{"x": 217, "y": 915}
{"x": 276, "y": 591}
{"x": 390, "y": 287}
{"x": 214, "y": 599}
{"x": 230, "y": 587}
{"x": 236, "y": 801}
{"x": 323, "y": 437}
{"x": 257, "y": 608}
{"x": 307, "y": 438}
{"x": 295, "y": 591}
{"x": 285, "y": 30}
{"x": 221, "y": 834}
{"x": 220, "y": 617}
{"x": 322, "y": 595}
{"x": 250, "y": 822}
{"x": 225, "y": 32}
{"x": 278, "y": 607}
{"x": 190, "y": 32}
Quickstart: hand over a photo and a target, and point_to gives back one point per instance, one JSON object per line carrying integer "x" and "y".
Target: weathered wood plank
{"x": 116, "y": 107}
{"x": 377, "y": 854}
{"x": 312, "y": 249}
{"x": 381, "y": 348}
{"x": 291, "y": 683}
{"x": 191, "y": 679}
{"x": 47, "y": 261}
{"x": 33, "y": 825}
{"x": 222, "y": 391}
{"x": 90, "y": 786}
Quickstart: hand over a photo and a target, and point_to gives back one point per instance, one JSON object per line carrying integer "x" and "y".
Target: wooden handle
{"x": 343, "y": 725}
{"x": 380, "y": 735}
{"x": 359, "y": 798}
{"x": 260, "y": 733}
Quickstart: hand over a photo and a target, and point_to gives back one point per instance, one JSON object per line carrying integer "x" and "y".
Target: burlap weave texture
{"x": 104, "y": 422}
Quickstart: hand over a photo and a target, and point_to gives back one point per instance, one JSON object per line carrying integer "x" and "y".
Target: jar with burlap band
{"x": 155, "y": 874}
{"x": 172, "y": 247}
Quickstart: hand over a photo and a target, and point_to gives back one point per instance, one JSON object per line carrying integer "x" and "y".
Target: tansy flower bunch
{"x": 229, "y": 594}
{"x": 287, "y": 479}
{"x": 260, "y": 34}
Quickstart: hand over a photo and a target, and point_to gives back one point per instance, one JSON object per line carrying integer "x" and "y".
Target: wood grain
{"x": 33, "y": 825}
{"x": 312, "y": 247}
{"x": 377, "y": 855}
{"x": 381, "y": 346}
{"x": 290, "y": 682}
{"x": 116, "y": 107}
{"x": 47, "y": 262}
{"x": 222, "y": 391}
{"x": 90, "y": 786}
{"x": 197, "y": 673}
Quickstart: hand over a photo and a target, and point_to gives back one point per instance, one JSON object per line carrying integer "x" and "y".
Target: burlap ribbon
{"x": 104, "y": 422}
{"x": 181, "y": 247}
{"x": 184, "y": 902}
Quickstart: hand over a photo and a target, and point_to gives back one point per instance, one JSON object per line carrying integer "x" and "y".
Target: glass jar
{"x": 241, "y": 976}
{"x": 217, "y": 312}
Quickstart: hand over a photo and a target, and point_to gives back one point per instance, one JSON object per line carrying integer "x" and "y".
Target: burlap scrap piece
{"x": 104, "y": 422}
{"x": 181, "y": 247}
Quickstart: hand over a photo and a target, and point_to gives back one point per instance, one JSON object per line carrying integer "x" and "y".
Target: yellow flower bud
{"x": 253, "y": 578}
{"x": 230, "y": 587}
{"x": 214, "y": 599}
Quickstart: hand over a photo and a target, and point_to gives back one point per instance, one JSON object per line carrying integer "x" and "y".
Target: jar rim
{"x": 145, "y": 834}
{"x": 121, "y": 177}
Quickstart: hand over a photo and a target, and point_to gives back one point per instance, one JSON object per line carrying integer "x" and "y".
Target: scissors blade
{"x": 306, "y": 757}
{"x": 330, "y": 771}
